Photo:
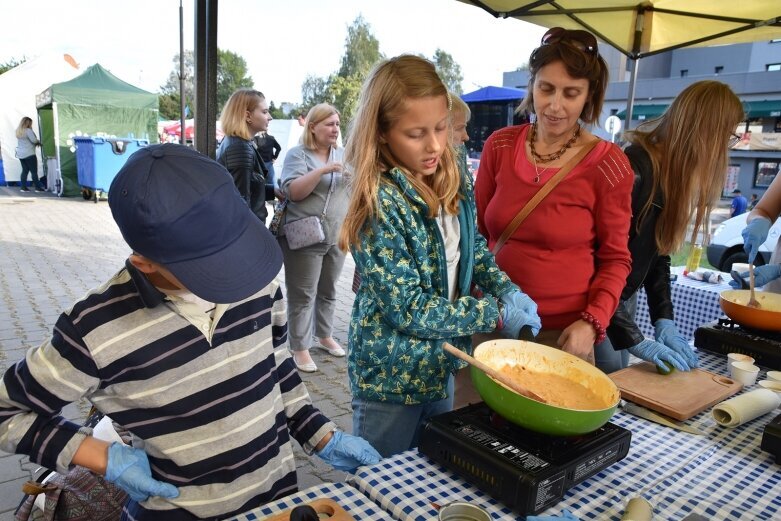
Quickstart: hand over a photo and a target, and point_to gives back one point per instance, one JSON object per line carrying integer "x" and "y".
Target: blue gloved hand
{"x": 519, "y": 310}
{"x": 566, "y": 515}
{"x": 762, "y": 275}
{"x": 754, "y": 236}
{"x": 128, "y": 468}
{"x": 666, "y": 333}
{"x": 347, "y": 452}
{"x": 657, "y": 353}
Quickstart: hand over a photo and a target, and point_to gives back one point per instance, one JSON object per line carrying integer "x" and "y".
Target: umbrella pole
{"x": 630, "y": 95}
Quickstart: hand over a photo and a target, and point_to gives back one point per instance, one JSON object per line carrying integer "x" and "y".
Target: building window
{"x": 718, "y": 69}
{"x": 774, "y": 66}
{"x": 766, "y": 172}
{"x": 684, "y": 73}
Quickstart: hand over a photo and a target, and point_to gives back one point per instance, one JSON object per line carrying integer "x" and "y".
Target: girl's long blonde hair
{"x": 24, "y": 124}
{"x": 380, "y": 106}
{"x": 688, "y": 147}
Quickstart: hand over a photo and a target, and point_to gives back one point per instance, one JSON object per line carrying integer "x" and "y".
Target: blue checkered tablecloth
{"x": 722, "y": 475}
{"x": 353, "y": 501}
{"x": 695, "y": 303}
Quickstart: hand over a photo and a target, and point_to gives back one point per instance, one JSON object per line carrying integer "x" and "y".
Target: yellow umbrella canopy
{"x": 640, "y": 29}
{"x": 645, "y": 28}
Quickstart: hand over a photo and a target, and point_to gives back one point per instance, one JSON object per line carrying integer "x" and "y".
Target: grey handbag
{"x": 308, "y": 230}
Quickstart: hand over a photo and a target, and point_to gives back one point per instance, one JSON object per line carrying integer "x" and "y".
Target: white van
{"x": 726, "y": 246}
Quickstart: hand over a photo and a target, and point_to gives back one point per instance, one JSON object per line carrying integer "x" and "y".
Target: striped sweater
{"x": 214, "y": 413}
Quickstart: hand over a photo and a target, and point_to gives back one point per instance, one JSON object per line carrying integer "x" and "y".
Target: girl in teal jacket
{"x": 411, "y": 230}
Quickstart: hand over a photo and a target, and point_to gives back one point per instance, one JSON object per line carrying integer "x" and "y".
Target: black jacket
{"x": 241, "y": 159}
{"x": 649, "y": 269}
{"x": 268, "y": 147}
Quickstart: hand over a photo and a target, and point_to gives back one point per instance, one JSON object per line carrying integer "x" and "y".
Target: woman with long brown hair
{"x": 679, "y": 162}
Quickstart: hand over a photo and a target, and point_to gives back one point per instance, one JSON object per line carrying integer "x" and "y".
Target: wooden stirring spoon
{"x": 493, "y": 373}
{"x": 752, "y": 301}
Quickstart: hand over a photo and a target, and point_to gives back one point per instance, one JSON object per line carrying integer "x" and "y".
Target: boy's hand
{"x": 347, "y": 452}
{"x": 129, "y": 469}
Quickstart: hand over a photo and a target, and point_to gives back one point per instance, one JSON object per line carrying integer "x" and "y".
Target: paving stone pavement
{"x": 52, "y": 251}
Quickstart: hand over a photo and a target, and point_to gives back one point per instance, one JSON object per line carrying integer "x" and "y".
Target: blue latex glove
{"x": 519, "y": 310}
{"x": 566, "y": 515}
{"x": 762, "y": 275}
{"x": 666, "y": 333}
{"x": 347, "y": 452}
{"x": 754, "y": 236}
{"x": 657, "y": 353}
{"x": 128, "y": 468}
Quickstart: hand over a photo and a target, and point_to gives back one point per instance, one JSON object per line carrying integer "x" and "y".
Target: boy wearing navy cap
{"x": 185, "y": 348}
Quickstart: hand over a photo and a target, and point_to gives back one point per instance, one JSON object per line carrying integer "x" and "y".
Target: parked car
{"x": 726, "y": 246}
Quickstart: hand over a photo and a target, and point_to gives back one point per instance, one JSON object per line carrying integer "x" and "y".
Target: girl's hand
{"x": 578, "y": 339}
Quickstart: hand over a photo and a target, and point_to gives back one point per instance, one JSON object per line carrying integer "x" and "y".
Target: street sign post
{"x": 613, "y": 126}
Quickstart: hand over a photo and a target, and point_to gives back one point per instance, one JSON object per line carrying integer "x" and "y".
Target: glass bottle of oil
{"x": 693, "y": 262}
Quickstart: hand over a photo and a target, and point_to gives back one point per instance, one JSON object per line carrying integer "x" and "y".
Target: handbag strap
{"x": 328, "y": 197}
{"x": 541, "y": 194}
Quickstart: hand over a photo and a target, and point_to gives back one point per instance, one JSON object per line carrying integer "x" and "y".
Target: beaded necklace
{"x": 547, "y": 158}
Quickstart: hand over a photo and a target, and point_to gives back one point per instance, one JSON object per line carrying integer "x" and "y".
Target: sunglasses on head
{"x": 583, "y": 40}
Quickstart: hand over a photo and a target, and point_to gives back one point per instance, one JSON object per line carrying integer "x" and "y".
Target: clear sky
{"x": 281, "y": 40}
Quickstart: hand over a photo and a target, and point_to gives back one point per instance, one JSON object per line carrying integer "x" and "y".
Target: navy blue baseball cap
{"x": 179, "y": 208}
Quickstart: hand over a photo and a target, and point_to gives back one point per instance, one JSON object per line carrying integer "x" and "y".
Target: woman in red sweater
{"x": 570, "y": 254}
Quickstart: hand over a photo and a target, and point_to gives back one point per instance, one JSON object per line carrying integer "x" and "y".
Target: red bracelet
{"x": 596, "y": 324}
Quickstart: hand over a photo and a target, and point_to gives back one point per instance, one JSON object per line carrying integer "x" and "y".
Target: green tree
{"x": 169, "y": 105}
{"x": 231, "y": 75}
{"x": 10, "y": 64}
{"x": 361, "y": 50}
{"x": 448, "y": 70}
{"x": 315, "y": 90}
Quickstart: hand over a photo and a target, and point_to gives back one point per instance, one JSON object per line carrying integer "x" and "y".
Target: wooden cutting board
{"x": 679, "y": 395}
{"x": 327, "y": 506}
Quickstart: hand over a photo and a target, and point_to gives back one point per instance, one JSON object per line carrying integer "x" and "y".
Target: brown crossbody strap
{"x": 540, "y": 195}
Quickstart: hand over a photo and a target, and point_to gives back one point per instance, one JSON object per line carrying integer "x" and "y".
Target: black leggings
{"x": 30, "y": 164}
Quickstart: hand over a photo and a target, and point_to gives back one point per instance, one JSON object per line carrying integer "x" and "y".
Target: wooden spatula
{"x": 493, "y": 373}
{"x": 752, "y": 301}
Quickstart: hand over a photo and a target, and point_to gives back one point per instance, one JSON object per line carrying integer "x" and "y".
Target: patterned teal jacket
{"x": 401, "y": 313}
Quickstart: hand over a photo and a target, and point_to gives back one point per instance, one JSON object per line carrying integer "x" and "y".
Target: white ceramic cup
{"x": 738, "y": 357}
{"x": 774, "y": 375}
{"x": 772, "y": 385}
{"x": 744, "y": 372}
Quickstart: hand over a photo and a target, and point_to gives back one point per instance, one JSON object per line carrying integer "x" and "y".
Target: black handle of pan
{"x": 526, "y": 334}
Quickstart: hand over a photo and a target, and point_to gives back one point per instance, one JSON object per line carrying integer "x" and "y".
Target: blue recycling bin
{"x": 99, "y": 159}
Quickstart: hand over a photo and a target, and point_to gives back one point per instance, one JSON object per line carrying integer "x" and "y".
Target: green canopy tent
{"x": 94, "y": 103}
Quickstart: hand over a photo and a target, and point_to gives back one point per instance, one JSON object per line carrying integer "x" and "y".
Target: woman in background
{"x": 25, "y": 151}
{"x": 313, "y": 174}
{"x": 244, "y": 115}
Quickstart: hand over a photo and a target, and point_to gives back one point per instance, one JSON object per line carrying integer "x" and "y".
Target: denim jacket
{"x": 401, "y": 314}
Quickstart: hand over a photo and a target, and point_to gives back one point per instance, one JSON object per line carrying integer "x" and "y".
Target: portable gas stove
{"x": 725, "y": 336}
{"x": 525, "y": 470}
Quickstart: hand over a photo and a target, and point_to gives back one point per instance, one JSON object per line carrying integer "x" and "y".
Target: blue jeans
{"x": 392, "y": 428}
{"x": 607, "y": 358}
{"x": 29, "y": 165}
{"x": 270, "y": 168}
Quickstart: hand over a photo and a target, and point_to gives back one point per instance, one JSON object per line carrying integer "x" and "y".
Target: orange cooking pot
{"x": 734, "y": 302}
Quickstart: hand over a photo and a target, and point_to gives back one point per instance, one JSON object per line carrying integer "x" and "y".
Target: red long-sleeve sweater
{"x": 570, "y": 254}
